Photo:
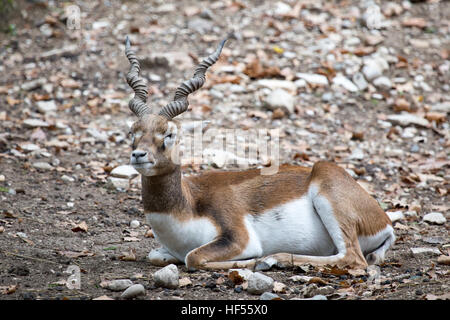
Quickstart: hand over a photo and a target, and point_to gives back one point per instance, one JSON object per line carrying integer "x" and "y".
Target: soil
{"x": 38, "y": 217}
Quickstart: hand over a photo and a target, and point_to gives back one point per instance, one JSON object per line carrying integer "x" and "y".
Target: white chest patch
{"x": 180, "y": 237}
{"x": 293, "y": 227}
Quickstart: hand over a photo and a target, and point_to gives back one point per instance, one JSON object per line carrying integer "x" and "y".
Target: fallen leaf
{"x": 75, "y": 254}
{"x": 255, "y": 69}
{"x": 26, "y": 240}
{"x": 357, "y": 272}
{"x": 235, "y": 277}
{"x": 8, "y": 289}
{"x": 414, "y": 22}
{"x": 82, "y": 226}
{"x": 436, "y": 116}
{"x": 70, "y": 83}
{"x": 317, "y": 280}
{"x": 149, "y": 234}
{"x": 185, "y": 281}
{"x": 11, "y": 101}
{"x": 128, "y": 256}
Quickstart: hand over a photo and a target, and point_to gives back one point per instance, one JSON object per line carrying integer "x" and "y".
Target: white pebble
{"x": 134, "y": 224}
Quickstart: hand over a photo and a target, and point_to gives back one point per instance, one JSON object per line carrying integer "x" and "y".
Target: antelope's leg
{"x": 218, "y": 253}
{"x": 225, "y": 265}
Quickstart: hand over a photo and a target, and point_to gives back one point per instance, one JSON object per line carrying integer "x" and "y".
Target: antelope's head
{"x": 155, "y": 135}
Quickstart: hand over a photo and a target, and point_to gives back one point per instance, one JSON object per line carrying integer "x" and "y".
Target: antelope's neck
{"x": 165, "y": 193}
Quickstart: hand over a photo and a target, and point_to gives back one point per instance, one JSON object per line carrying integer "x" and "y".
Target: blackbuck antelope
{"x": 230, "y": 219}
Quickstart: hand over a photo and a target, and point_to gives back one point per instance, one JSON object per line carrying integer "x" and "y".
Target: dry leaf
{"x": 279, "y": 287}
{"x": 183, "y": 282}
{"x": 414, "y": 22}
{"x": 436, "y": 116}
{"x": 75, "y": 254}
{"x": 317, "y": 280}
{"x": 128, "y": 256}
{"x": 357, "y": 272}
{"x": 235, "y": 277}
{"x": 82, "y": 226}
{"x": 8, "y": 289}
{"x": 256, "y": 70}
{"x": 26, "y": 239}
{"x": 149, "y": 234}
{"x": 11, "y": 101}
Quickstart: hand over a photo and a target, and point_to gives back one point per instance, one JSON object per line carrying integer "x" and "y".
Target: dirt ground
{"x": 40, "y": 211}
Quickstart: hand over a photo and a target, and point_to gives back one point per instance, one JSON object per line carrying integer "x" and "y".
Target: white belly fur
{"x": 181, "y": 237}
{"x": 293, "y": 227}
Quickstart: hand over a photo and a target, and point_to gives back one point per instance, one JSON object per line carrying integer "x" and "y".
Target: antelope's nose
{"x": 138, "y": 154}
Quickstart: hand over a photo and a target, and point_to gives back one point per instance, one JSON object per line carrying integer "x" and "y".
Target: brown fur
{"x": 225, "y": 197}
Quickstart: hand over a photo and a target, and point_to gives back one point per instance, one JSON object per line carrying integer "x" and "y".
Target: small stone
{"x": 280, "y": 98}
{"x": 118, "y": 183}
{"x": 359, "y": 81}
{"x": 200, "y": 25}
{"x": 311, "y": 78}
{"x": 419, "y": 252}
{"x": 441, "y": 107}
{"x": 327, "y": 97}
{"x": 34, "y": 84}
{"x": 317, "y": 297}
{"x": 269, "y": 296}
{"x": 104, "y": 297}
{"x": 134, "y": 224}
{"x": 382, "y": 83}
{"x": 167, "y": 277}
{"x": 29, "y": 147}
{"x": 301, "y": 279}
{"x": 34, "y": 123}
{"x": 372, "y": 70}
{"x": 124, "y": 172}
{"x": 67, "y": 178}
{"x": 46, "y": 106}
{"x": 357, "y": 154}
{"x": 117, "y": 285}
{"x": 133, "y": 291}
{"x": 395, "y": 215}
{"x": 266, "y": 264}
{"x": 434, "y": 218}
{"x": 345, "y": 83}
{"x": 97, "y": 135}
{"x": 406, "y": 119}
{"x": 326, "y": 290}
{"x": 42, "y": 165}
{"x": 259, "y": 283}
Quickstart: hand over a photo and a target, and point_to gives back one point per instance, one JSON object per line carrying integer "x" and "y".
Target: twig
{"x": 30, "y": 258}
